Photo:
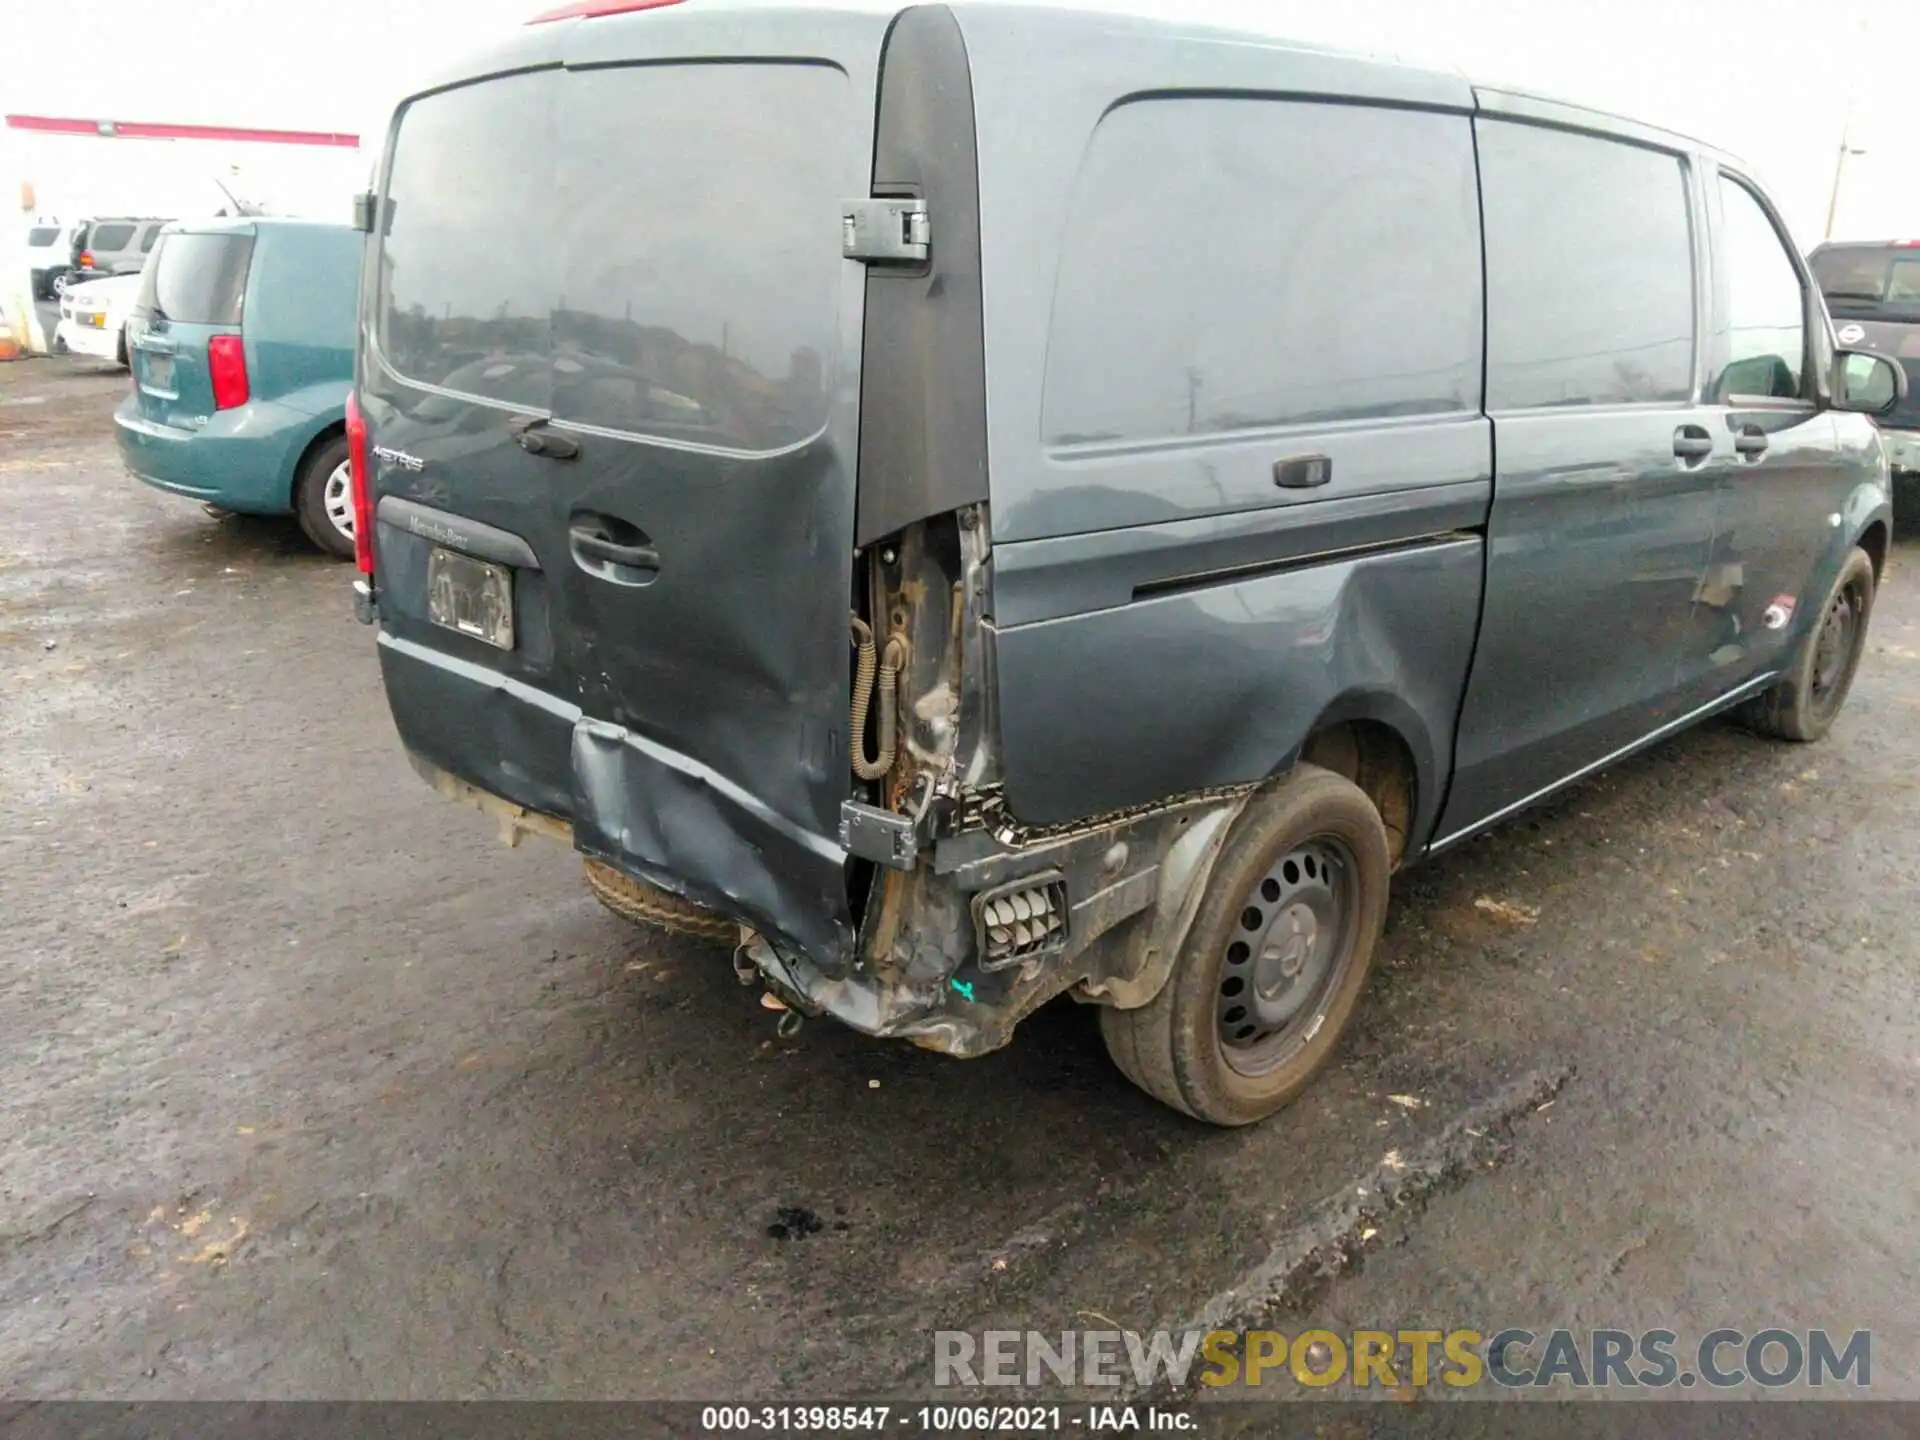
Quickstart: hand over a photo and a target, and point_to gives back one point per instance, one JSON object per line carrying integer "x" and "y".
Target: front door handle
{"x": 1750, "y": 442}
{"x": 1692, "y": 444}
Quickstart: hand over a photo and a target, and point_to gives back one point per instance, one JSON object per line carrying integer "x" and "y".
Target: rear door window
{"x": 110, "y": 237}
{"x": 1242, "y": 263}
{"x": 700, "y": 292}
{"x": 1870, "y": 282}
{"x": 468, "y": 269}
{"x": 685, "y": 290}
{"x": 197, "y": 279}
{"x": 42, "y": 236}
{"x": 1590, "y": 270}
{"x": 147, "y": 237}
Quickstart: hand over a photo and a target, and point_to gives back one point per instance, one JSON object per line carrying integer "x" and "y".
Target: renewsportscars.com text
{"x": 1511, "y": 1358}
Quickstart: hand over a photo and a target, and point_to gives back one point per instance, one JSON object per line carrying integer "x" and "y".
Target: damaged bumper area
{"x": 933, "y": 965}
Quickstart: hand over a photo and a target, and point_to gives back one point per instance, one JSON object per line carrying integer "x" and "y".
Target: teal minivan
{"x": 241, "y": 347}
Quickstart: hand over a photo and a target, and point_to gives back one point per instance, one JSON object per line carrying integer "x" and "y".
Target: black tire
{"x": 1176, "y": 1048}
{"x": 655, "y": 908}
{"x": 1805, "y": 702}
{"x": 310, "y": 497}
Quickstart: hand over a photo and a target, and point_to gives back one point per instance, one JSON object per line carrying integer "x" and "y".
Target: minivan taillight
{"x": 361, "y": 484}
{"x": 86, "y": 259}
{"x": 227, "y": 365}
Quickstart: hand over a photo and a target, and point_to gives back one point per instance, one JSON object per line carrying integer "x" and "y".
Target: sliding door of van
{"x": 1605, "y": 461}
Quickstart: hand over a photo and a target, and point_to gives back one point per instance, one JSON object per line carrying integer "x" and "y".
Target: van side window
{"x": 1590, "y": 285}
{"x": 1235, "y": 264}
{"x": 1766, "y": 339}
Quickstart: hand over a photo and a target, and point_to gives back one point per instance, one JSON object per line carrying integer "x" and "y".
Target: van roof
{"x": 535, "y": 44}
{"x": 249, "y": 225}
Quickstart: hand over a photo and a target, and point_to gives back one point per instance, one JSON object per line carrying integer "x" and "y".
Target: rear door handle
{"x": 1750, "y": 441}
{"x": 1692, "y": 444}
{"x": 630, "y": 559}
{"x": 611, "y": 552}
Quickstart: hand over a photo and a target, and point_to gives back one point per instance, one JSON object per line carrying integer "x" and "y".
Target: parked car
{"x": 1129, "y": 489}
{"x": 93, "y": 318}
{"x": 242, "y": 349}
{"x": 1873, "y": 293}
{"x": 112, "y": 247}
{"x": 49, "y": 258}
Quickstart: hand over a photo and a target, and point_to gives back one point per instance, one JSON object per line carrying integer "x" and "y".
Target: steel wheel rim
{"x": 1833, "y": 646}
{"x": 337, "y": 499}
{"x": 1292, "y": 943}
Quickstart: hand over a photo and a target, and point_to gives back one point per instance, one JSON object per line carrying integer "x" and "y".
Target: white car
{"x": 49, "y": 257}
{"x": 93, "y": 317}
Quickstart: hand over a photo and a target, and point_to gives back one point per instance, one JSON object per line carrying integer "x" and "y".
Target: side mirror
{"x": 1867, "y": 384}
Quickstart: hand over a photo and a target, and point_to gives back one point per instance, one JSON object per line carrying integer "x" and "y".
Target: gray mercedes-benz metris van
{"x": 980, "y": 503}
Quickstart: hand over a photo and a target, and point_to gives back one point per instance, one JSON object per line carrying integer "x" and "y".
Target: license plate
{"x": 473, "y": 597}
{"x": 158, "y": 370}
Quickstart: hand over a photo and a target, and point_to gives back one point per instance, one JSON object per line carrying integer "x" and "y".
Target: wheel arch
{"x": 332, "y": 429}
{"x": 1379, "y": 742}
{"x": 1875, "y": 540}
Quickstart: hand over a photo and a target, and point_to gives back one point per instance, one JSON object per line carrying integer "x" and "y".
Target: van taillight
{"x": 227, "y": 365}
{"x": 361, "y": 484}
{"x": 86, "y": 259}
{"x": 587, "y": 9}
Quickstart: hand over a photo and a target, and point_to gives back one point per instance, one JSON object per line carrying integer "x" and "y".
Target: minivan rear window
{"x": 538, "y": 253}
{"x": 197, "y": 279}
{"x": 42, "y": 235}
{"x": 109, "y": 237}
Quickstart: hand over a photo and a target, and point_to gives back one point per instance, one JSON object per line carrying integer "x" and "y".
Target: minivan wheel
{"x": 648, "y": 905}
{"x": 323, "y": 498}
{"x": 1275, "y": 963}
{"x": 1803, "y": 705}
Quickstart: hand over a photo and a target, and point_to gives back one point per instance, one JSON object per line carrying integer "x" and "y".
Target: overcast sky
{"x": 1773, "y": 80}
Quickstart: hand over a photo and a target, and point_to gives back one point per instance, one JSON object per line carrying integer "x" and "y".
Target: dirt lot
{"x": 310, "y": 1089}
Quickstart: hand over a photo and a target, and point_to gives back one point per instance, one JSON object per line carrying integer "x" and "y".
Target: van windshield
{"x": 196, "y": 279}
{"x": 1871, "y": 282}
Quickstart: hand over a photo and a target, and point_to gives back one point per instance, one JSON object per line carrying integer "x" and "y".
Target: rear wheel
{"x": 323, "y": 498}
{"x": 650, "y": 906}
{"x": 1274, "y": 966}
{"x": 1803, "y": 705}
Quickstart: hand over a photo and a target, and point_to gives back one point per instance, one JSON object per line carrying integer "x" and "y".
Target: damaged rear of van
{"x": 975, "y": 504}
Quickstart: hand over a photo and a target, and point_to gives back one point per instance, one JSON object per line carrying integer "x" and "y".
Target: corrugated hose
{"x": 888, "y": 667}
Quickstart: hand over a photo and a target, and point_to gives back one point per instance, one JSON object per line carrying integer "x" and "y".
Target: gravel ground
{"x": 311, "y": 1089}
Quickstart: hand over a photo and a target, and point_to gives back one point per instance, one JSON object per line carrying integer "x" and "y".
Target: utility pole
{"x": 1847, "y": 148}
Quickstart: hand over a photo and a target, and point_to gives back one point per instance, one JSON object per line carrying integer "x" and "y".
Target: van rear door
{"x": 611, "y": 366}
